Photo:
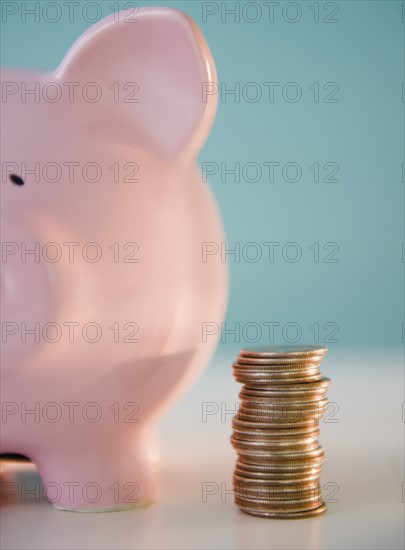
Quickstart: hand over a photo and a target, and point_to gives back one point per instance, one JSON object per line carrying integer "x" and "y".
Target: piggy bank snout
{"x": 26, "y": 292}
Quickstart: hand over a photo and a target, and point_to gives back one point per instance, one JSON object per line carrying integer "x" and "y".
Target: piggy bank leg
{"x": 98, "y": 480}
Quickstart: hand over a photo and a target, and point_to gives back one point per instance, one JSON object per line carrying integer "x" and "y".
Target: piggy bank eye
{"x": 16, "y": 179}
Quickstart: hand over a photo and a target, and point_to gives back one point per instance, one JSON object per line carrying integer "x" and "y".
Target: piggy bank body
{"x": 105, "y": 288}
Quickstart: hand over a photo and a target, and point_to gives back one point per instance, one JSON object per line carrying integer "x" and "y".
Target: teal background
{"x": 363, "y": 133}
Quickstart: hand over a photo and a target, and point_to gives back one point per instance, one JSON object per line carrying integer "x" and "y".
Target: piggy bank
{"x": 106, "y": 285}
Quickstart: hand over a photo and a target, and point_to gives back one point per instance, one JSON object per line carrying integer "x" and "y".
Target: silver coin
{"x": 307, "y": 402}
{"x": 264, "y": 426}
{"x": 274, "y": 435}
{"x": 277, "y": 478}
{"x": 296, "y": 505}
{"x": 300, "y": 398}
{"x": 268, "y": 395}
{"x": 292, "y": 466}
{"x": 273, "y": 446}
{"x": 281, "y": 422}
{"x": 285, "y": 374}
{"x": 315, "y": 512}
{"x": 291, "y": 441}
{"x": 237, "y": 440}
{"x": 276, "y": 430}
{"x": 263, "y": 405}
{"x": 284, "y": 418}
{"x": 279, "y": 499}
{"x": 259, "y": 382}
{"x": 263, "y": 485}
{"x": 276, "y": 389}
{"x": 283, "y": 369}
{"x": 281, "y": 413}
{"x": 282, "y": 351}
{"x": 264, "y": 381}
{"x": 273, "y": 480}
{"x": 243, "y": 427}
{"x": 280, "y": 451}
{"x": 283, "y": 379}
{"x": 305, "y": 466}
{"x": 286, "y": 362}
{"x": 257, "y": 456}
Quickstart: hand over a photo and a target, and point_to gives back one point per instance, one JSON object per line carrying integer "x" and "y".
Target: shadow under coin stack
{"x": 275, "y": 431}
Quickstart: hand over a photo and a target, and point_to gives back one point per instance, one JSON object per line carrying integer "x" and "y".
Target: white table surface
{"x": 364, "y": 461}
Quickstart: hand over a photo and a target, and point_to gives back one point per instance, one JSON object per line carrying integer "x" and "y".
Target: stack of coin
{"x": 275, "y": 432}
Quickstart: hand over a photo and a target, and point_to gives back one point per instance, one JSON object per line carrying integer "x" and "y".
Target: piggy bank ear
{"x": 150, "y": 81}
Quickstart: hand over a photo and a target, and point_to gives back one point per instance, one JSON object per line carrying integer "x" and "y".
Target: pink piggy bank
{"x": 106, "y": 226}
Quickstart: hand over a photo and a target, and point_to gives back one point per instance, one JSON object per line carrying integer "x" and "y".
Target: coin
{"x": 276, "y": 389}
{"x": 292, "y": 362}
{"x": 277, "y": 478}
{"x": 314, "y": 512}
{"x": 277, "y": 377}
{"x": 263, "y": 425}
{"x": 260, "y": 381}
{"x": 259, "y": 456}
{"x": 275, "y": 434}
{"x": 276, "y": 423}
{"x": 264, "y": 488}
{"x": 289, "y": 412}
{"x": 276, "y": 430}
{"x": 310, "y": 498}
{"x": 258, "y": 405}
{"x": 291, "y": 441}
{"x": 286, "y": 467}
{"x": 286, "y": 369}
{"x": 283, "y": 351}
{"x": 293, "y": 505}
{"x": 243, "y": 447}
{"x": 276, "y": 473}
{"x": 259, "y": 395}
